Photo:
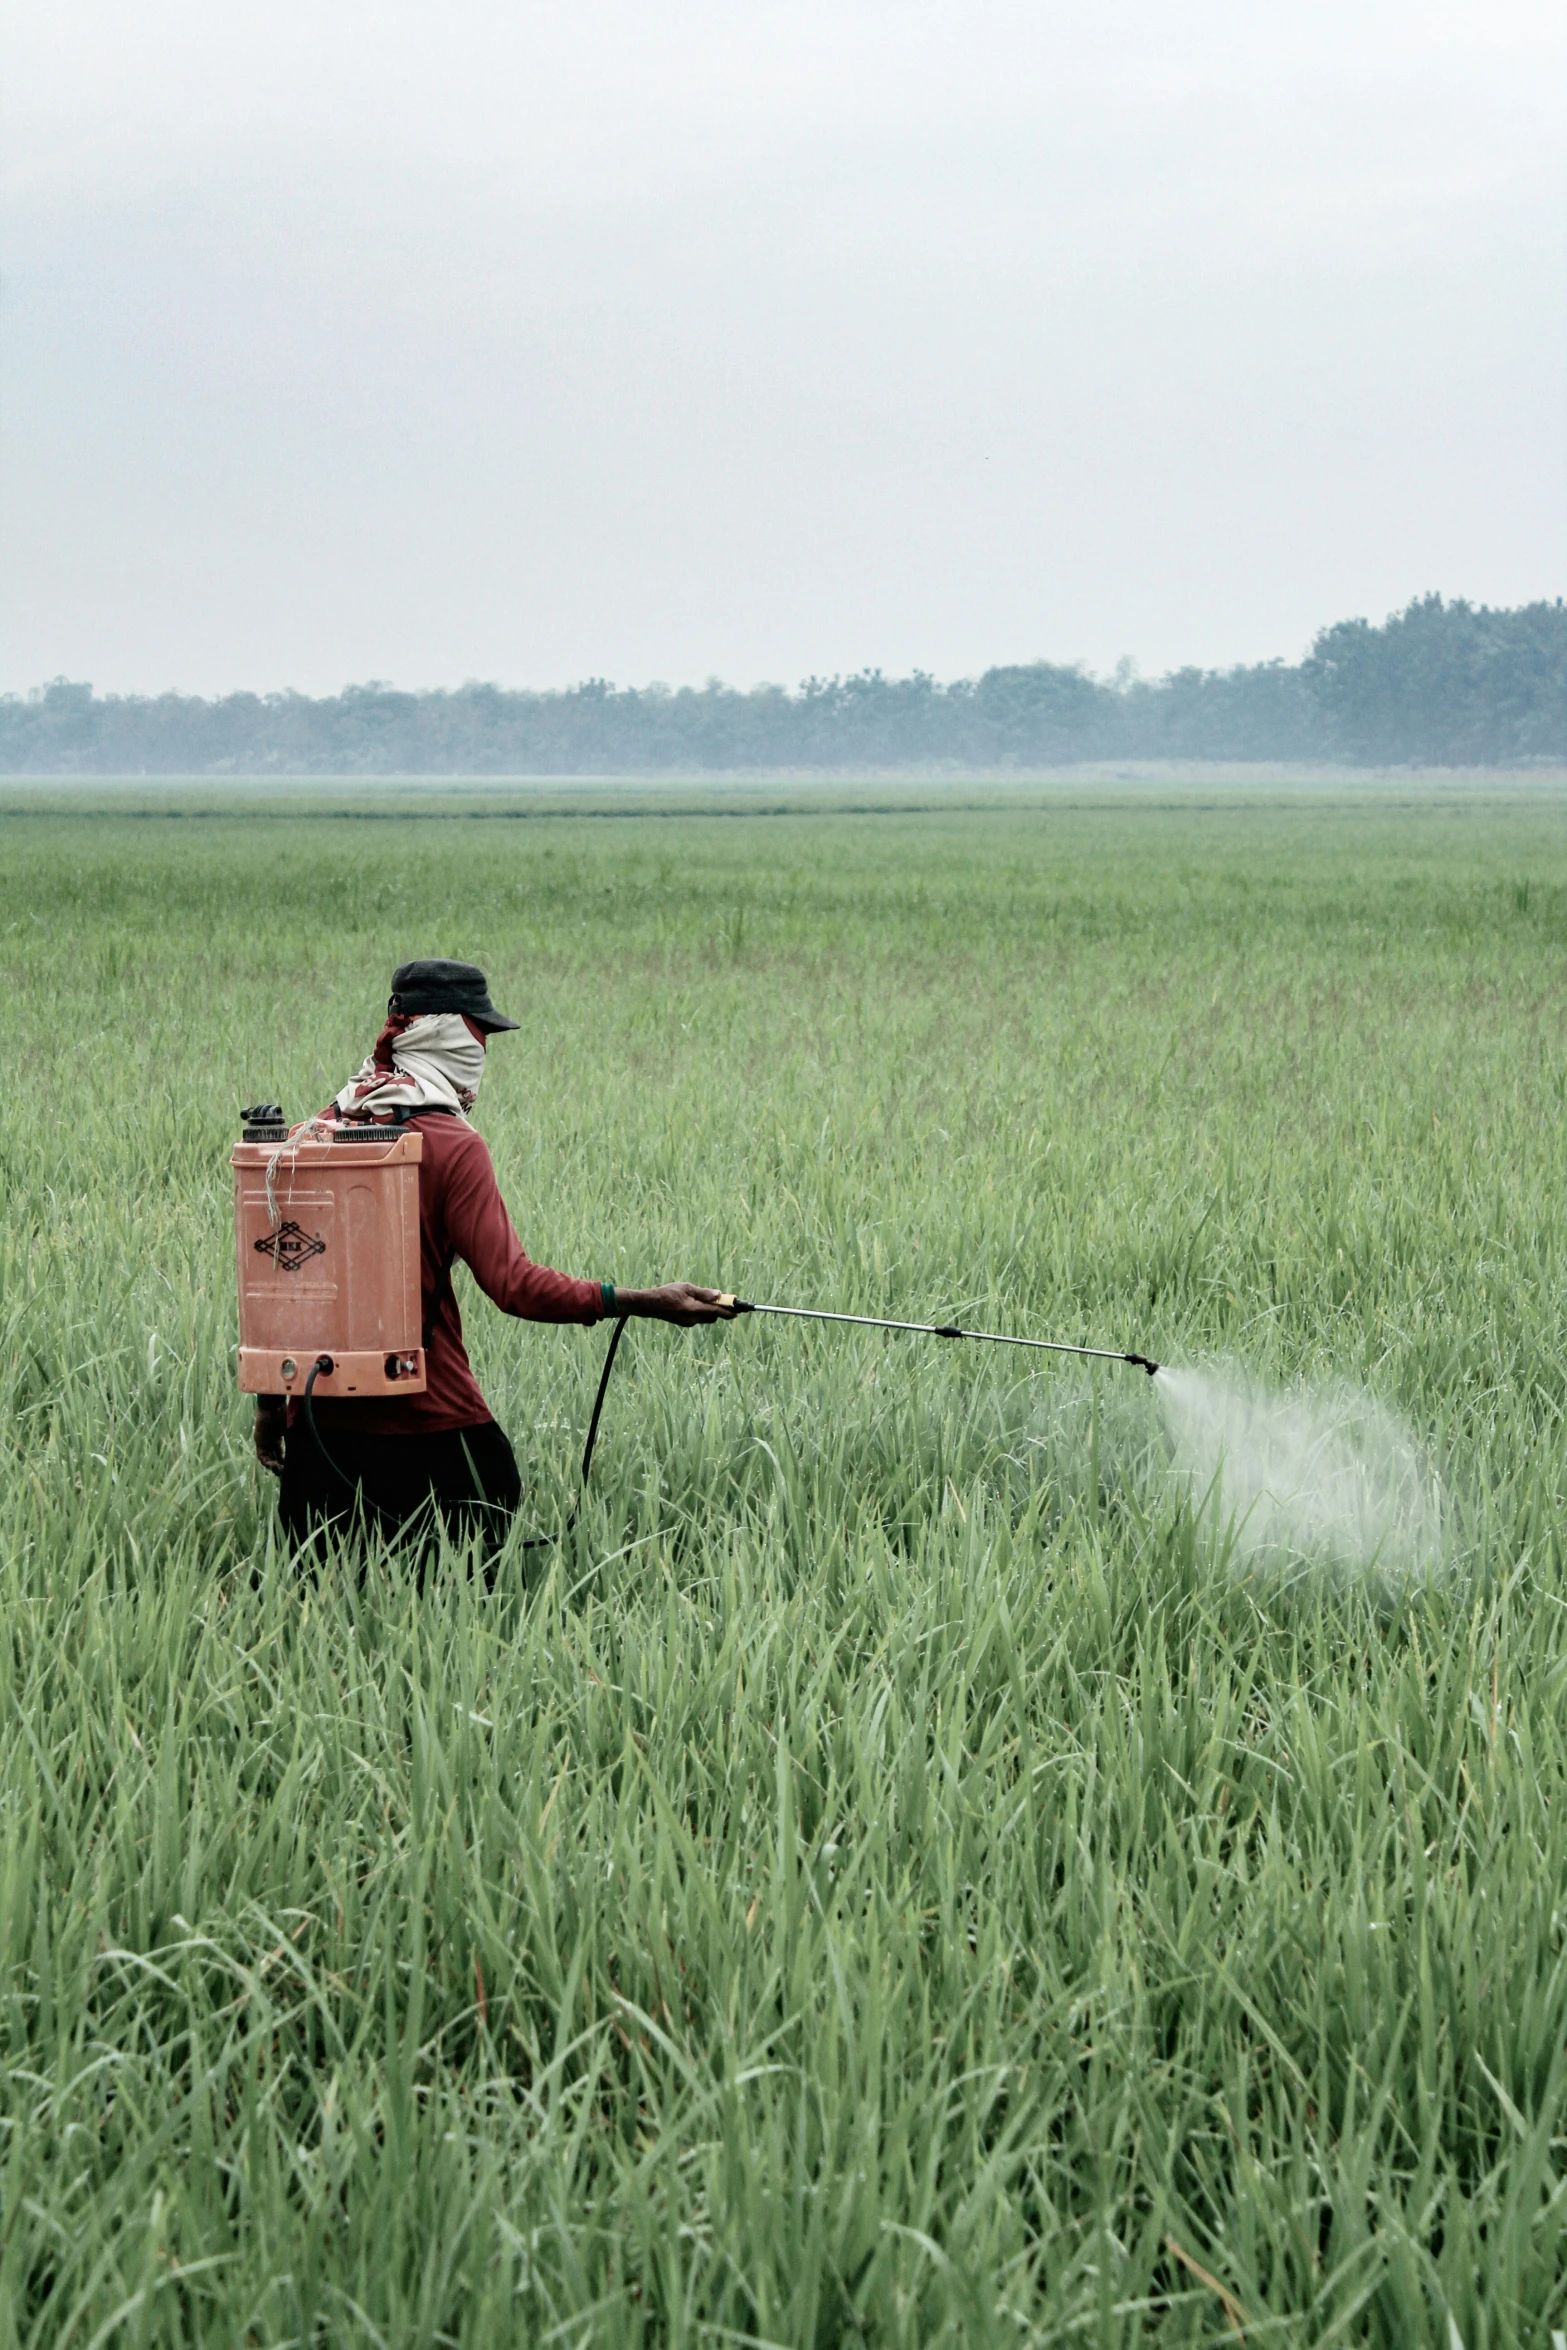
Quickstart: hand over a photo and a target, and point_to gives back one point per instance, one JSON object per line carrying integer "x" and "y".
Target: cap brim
{"x": 491, "y": 1020}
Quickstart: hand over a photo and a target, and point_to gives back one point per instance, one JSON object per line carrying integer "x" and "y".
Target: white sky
{"x": 762, "y": 337}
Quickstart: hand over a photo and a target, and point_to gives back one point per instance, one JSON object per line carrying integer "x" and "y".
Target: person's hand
{"x": 271, "y": 1424}
{"x": 681, "y": 1302}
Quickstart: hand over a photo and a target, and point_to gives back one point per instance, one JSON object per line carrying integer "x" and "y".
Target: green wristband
{"x": 607, "y": 1296}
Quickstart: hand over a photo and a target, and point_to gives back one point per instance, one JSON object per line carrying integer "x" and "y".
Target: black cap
{"x": 446, "y": 987}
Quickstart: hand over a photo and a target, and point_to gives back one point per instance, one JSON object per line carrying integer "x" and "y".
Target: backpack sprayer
{"x": 326, "y": 1245}
{"x": 329, "y": 1289}
{"x": 326, "y": 1241}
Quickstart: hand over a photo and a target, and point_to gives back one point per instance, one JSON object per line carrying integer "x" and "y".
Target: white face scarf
{"x": 421, "y": 1061}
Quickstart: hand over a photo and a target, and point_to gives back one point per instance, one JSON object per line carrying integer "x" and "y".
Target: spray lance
{"x": 1054, "y": 1346}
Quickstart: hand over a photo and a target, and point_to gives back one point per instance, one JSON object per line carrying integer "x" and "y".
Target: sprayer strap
{"x": 443, "y": 1288}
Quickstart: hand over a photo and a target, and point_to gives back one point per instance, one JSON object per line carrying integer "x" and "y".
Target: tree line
{"x": 1438, "y": 684}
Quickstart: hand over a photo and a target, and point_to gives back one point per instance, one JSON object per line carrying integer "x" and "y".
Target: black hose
{"x": 542, "y": 1541}
{"x": 615, "y": 1337}
{"x": 353, "y": 1485}
{"x": 388, "y": 1518}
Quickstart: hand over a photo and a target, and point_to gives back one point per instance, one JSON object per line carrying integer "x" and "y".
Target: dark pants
{"x": 465, "y": 1479}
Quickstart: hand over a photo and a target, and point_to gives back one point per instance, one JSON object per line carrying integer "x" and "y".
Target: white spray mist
{"x": 1318, "y": 1477}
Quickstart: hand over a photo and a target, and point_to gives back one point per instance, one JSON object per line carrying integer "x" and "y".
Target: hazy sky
{"x": 761, "y": 337}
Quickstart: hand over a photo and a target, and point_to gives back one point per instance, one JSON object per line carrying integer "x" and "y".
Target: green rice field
{"x": 893, "y": 1873}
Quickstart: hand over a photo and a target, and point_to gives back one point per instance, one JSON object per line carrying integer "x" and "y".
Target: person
{"x": 406, "y": 1460}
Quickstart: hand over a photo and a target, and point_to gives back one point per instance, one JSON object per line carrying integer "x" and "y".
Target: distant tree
{"x": 1041, "y": 716}
{"x": 1444, "y": 685}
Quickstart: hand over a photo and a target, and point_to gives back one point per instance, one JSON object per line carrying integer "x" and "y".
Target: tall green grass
{"x": 887, "y": 1877}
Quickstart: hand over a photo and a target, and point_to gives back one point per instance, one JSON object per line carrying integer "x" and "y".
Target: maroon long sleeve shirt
{"x": 461, "y": 1216}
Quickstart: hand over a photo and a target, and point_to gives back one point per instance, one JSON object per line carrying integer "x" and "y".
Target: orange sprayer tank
{"x": 329, "y": 1264}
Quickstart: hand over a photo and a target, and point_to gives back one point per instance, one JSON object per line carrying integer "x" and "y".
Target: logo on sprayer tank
{"x": 290, "y": 1246}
